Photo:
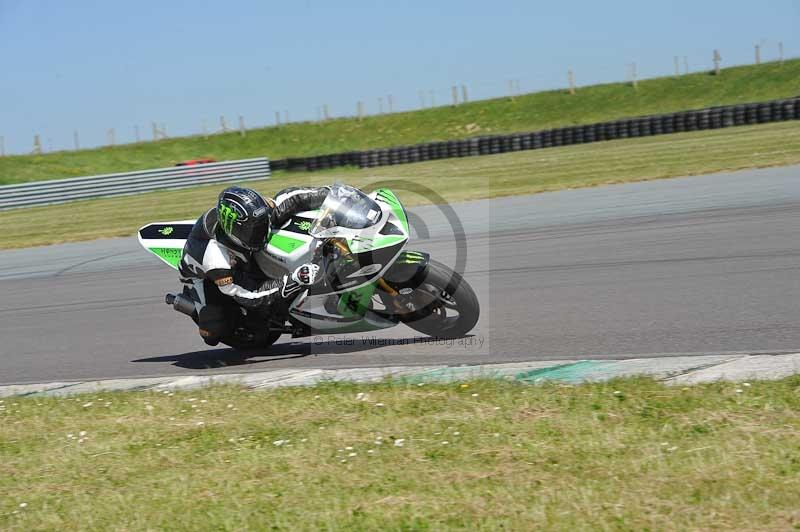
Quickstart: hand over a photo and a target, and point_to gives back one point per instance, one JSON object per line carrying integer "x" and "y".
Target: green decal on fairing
{"x": 303, "y": 225}
{"x": 410, "y": 257}
{"x": 227, "y": 217}
{"x": 356, "y": 302}
{"x": 171, "y": 256}
{"x": 285, "y": 243}
{"x": 386, "y": 241}
{"x": 397, "y": 208}
{"x": 167, "y": 231}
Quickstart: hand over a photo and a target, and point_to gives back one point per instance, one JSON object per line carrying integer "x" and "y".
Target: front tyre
{"x": 445, "y": 304}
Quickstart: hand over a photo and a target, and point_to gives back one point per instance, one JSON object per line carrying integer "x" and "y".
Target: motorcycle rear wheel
{"x": 442, "y": 294}
{"x": 259, "y": 341}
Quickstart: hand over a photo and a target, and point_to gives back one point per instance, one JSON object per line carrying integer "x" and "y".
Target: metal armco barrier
{"x": 101, "y": 186}
{"x": 645, "y": 126}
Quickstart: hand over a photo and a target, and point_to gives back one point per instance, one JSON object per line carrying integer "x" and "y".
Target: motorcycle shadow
{"x": 227, "y": 357}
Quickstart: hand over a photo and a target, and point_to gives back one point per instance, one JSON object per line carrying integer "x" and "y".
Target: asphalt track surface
{"x": 700, "y": 265}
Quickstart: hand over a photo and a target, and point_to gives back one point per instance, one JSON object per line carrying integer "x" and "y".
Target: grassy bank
{"x": 625, "y": 455}
{"x": 454, "y": 179}
{"x": 502, "y": 115}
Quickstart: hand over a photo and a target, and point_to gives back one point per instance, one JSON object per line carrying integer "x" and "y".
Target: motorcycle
{"x": 369, "y": 281}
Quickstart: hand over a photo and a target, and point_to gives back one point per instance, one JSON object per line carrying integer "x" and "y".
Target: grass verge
{"x": 630, "y": 454}
{"x": 502, "y": 115}
{"x": 470, "y": 178}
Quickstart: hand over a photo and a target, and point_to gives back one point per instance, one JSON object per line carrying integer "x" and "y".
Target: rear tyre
{"x": 251, "y": 342}
{"x": 447, "y": 305}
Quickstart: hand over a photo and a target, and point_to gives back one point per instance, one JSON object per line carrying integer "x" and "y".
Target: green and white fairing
{"x": 374, "y": 228}
{"x": 165, "y": 240}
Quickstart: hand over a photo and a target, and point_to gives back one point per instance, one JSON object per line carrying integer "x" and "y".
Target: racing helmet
{"x": 243, "y": 217}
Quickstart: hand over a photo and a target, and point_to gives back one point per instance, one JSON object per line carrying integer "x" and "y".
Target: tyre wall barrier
{"x": 644, "y": 126}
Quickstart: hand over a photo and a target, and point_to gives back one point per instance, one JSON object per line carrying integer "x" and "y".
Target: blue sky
{"x": 94, "y": 65}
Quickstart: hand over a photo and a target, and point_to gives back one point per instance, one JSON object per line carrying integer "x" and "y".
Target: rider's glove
{"x": 306, "y": 274}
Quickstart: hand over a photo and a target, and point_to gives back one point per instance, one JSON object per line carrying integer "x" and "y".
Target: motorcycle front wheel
{"x": 445, "y": 306}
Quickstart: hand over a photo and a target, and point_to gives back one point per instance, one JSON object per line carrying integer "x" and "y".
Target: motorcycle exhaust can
{"x": 182, "y": 304}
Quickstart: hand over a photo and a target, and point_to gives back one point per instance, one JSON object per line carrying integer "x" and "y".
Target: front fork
{"x": 398, "y": 300}
{"x": 401, "y": 280}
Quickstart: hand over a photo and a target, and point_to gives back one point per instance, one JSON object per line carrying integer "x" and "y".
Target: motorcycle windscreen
{"x": 346, "y": 207}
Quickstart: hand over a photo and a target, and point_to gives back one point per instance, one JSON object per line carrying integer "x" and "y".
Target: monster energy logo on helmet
{"x": 227, "y": 217}
{"x": 244, "y": 217}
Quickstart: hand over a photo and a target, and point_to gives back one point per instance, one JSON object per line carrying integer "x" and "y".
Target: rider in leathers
{"x": 218, "y": 258}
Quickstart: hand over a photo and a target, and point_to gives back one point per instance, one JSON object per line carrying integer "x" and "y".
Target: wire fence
{"x": 456, "y": 94}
